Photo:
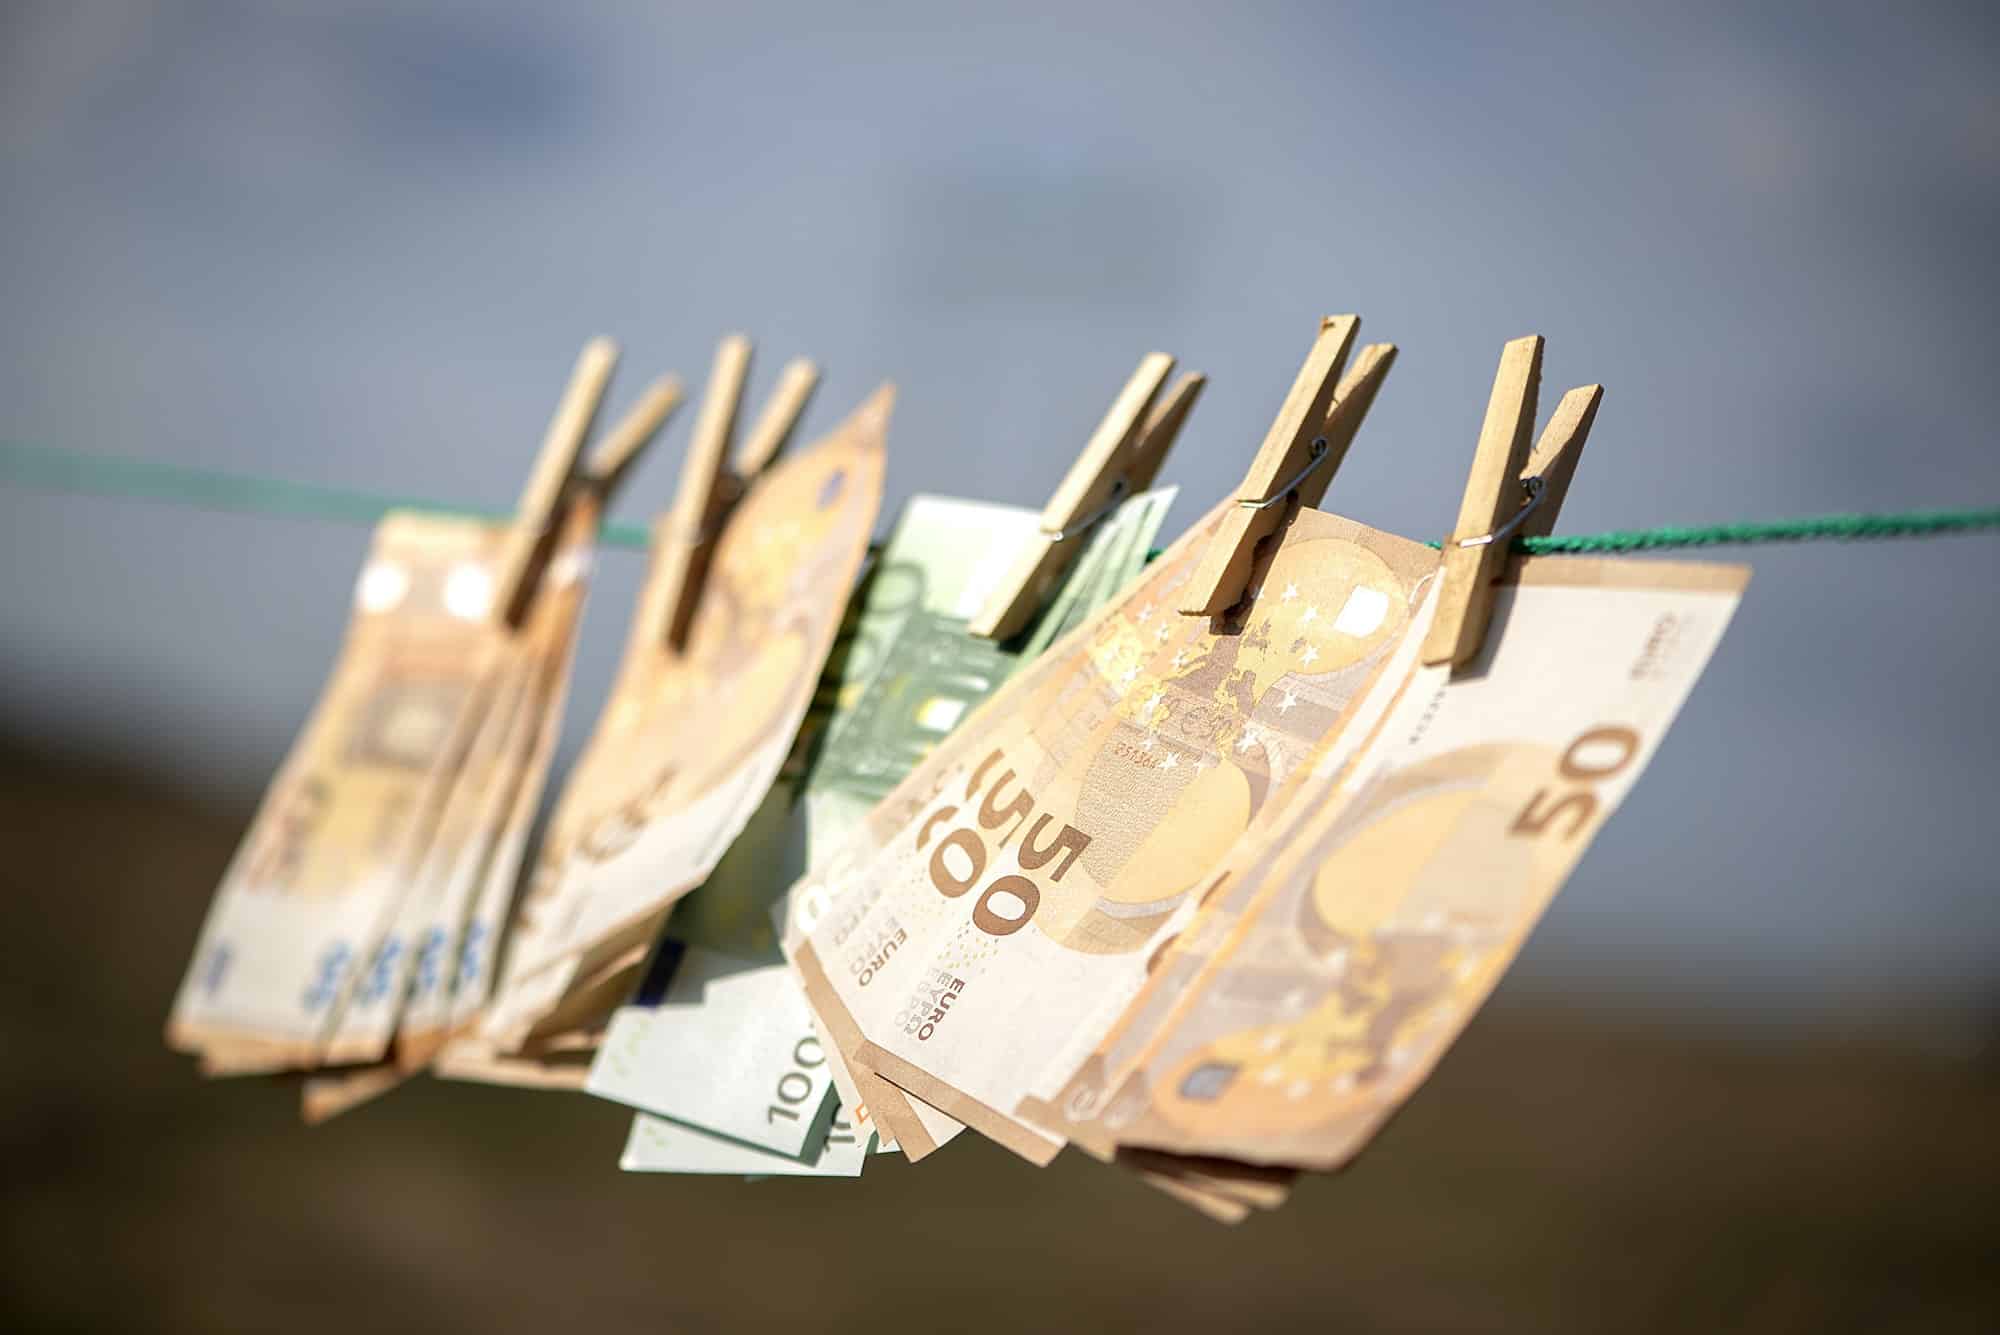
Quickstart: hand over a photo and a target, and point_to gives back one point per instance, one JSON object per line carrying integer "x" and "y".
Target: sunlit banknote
{"x": 691, "y": 738}
{"x": 1383, "y": 924}
{"x": 478, "y": 839}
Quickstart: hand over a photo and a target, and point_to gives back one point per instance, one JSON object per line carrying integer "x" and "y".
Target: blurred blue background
{"x": 360, "y": 245}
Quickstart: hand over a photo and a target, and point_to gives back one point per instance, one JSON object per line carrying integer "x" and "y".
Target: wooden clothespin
{"x": 1299, "y": 456}
{"x": 1510, "y": 492}
{"x": 527, "y": 548}
{"x": 710, "y": 487}
{"x": 1120, "y": 459}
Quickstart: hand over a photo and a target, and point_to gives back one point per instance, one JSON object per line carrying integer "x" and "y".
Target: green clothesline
{"x": 113, "y": 475}
{"x": 82, "y": 474}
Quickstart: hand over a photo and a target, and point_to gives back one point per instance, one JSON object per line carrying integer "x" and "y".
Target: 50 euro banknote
{"x": 1379, "y": 923}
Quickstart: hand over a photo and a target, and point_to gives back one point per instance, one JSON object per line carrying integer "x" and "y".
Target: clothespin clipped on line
{"x": 1300, "y": 454}
{"x": 529, "y": 545}
{"x": 1121, "y": 459}
{"x": 1511, "y": 492}
{"x": 710, "y": 486}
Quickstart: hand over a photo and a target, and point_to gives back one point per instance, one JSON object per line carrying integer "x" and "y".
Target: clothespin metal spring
{"x": 1284, "y": 493}
{"x": 1533, "y": 486}
{"x": 1081, "y": 526}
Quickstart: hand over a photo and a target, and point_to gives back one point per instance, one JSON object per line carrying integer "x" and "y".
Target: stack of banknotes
{"x": 833, "y": 877}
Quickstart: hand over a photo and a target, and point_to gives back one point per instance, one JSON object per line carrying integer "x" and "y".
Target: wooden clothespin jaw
{"x": 526, "y": 551}
{"x": 1162, "y": 428}
{"x": 1511, "y": 492}
{"x": 1302, "y": 451}
{"x": 773, "y": 428}
{"x": 606, "y": 468}
{"x": 1121, "y": 459}
{"x": 710, "y": 487}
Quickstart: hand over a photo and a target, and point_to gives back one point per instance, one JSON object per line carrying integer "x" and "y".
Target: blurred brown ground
{"x": 1563, "y": 1171}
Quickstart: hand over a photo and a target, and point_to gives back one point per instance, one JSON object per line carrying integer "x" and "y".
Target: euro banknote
{"x": 692, "y": 735}
{"x": 1382, "y": 925}
{"x": 479, "y": 838}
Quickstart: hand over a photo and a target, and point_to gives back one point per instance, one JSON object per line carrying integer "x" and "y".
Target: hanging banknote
{"x": 450, "y": 906}
{"x": 691, "y": 737}
{"x": 1380, "y": 926}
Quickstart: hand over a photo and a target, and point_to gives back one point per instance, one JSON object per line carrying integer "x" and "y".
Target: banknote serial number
{"x": 958, "y": 859}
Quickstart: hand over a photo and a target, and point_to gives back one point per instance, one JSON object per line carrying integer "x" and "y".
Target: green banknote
{"x": 720, "y": 1039}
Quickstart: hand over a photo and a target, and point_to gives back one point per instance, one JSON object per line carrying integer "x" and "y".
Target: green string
{"x": 1817, "y": 528}
{"x": 112, "y": 475}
